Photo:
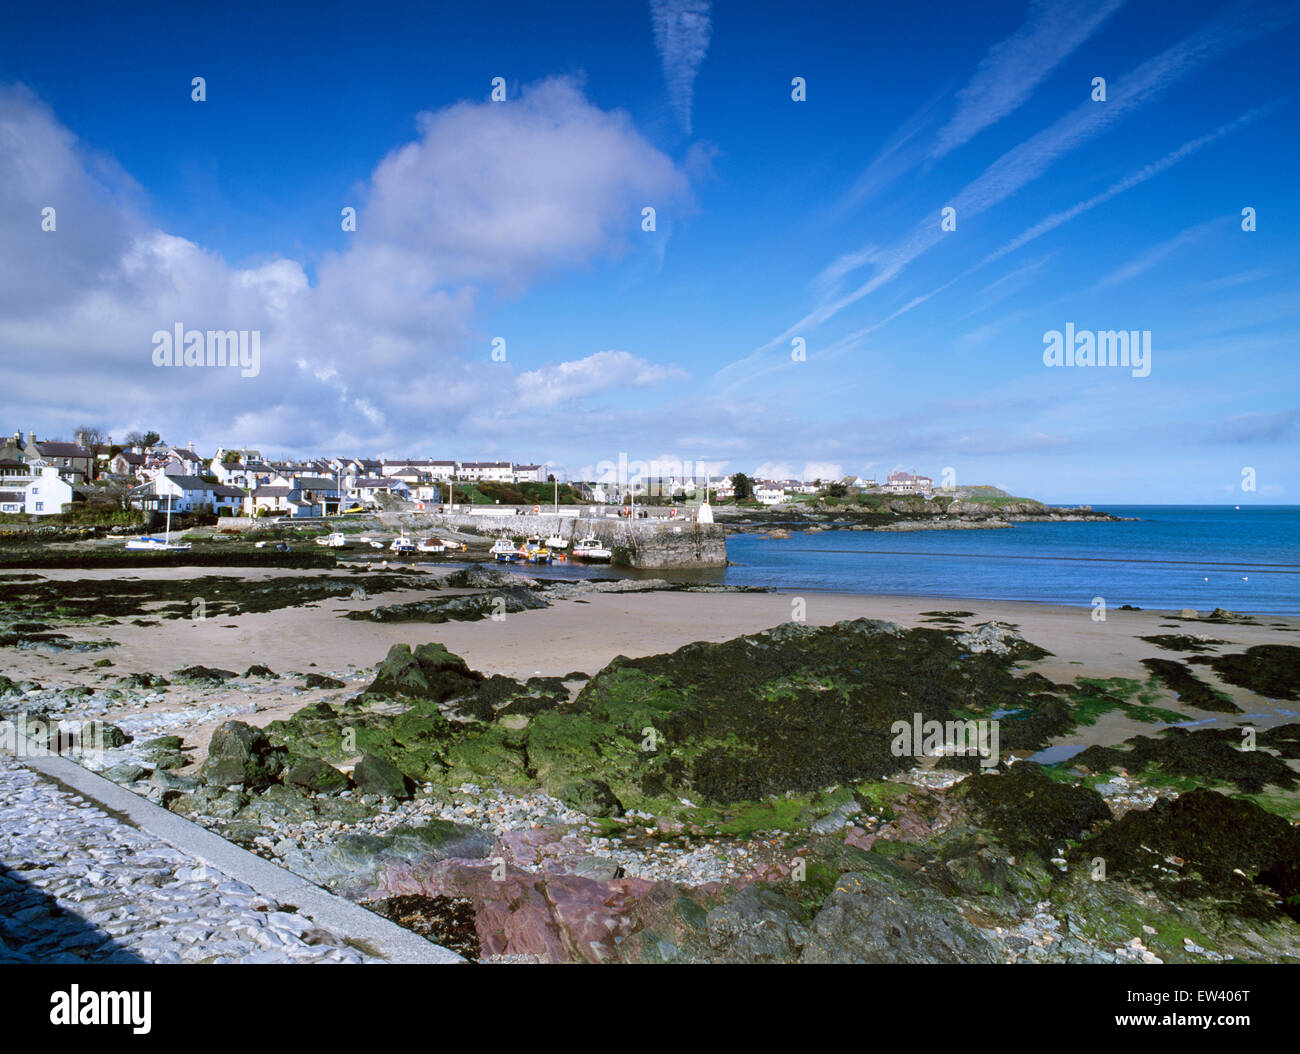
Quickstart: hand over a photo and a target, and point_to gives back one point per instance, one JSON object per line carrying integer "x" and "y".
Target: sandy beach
{"x": 586, "y": 633}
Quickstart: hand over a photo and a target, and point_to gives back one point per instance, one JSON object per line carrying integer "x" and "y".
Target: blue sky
{"x": 775, "y": 220}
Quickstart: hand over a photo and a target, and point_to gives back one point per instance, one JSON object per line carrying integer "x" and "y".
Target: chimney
{"x": 31, "y": 438}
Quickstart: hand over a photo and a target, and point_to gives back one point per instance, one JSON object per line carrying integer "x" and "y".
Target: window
{"x": 40, "y": 506}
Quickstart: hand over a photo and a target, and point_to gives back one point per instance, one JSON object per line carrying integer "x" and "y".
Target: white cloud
{"x": 682, "y": 30}
{"x": 823, "y": 470}
{"x": 1028, "y": 161}
{"x": 1011, "y": 69}
{"x": 370, "y": 357}
{"x": 602, "y": 372}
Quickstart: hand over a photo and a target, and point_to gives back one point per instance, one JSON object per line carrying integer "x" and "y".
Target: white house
{"x": 128, "y": 463}
{"x": 367, "y": 487}
{"x": 47, "y": 493}
{"x": 771, "y": 494}
{"x": 489, "y": 471}
{"x": 530, "y": 474}
{"x": 188, "y": 494}
{"x": 12, "y": 501}
{"x": 908, "y": 483}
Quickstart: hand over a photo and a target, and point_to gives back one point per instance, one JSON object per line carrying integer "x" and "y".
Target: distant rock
{"x": 203, "y": 676}
{"x": 319, "y": 680}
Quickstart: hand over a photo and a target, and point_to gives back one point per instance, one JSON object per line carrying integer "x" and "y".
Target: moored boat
{"x": 591, "y": 548}
{"x": 432, "y": 545}
{"x": 504, "y": 550}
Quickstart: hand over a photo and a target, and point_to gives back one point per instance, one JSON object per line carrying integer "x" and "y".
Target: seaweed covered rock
{"x": 203, "y": 676}
{"x": 996, "y": 639}
{"x": 320, "y": 680}
{"x": 507, "y": 601}
{"x": 1270, "y": 670}
{"x": 792, "y": 710}
{"x": 1204, "y": 754}
{"x": 593, "y": 797}
{"x": 239, "y": 754}
{"x": 142, "y": 680}
{"x": 500, "y": 696}
{"x": 1189, "y": 688}
{"x": 478, "y": 577}
{"x": 428, "y": 672}
{"x": 1028, "y": 810}
{"x": 798, "y": 708}
{"x": 1202, "y": 844}
{"x": 374, "y": 775}
{"x": 315, "y": 776}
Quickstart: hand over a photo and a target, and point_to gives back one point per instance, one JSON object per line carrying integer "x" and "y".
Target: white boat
{"x": 591, "y": 548}
{"x": 156, "y": 545}
{"x": 557, "y": 541}
{"x": 334, "y": 541}
{"x": 504, "y": 550}
{"x": 159, "y": 545}
{"x": 402, "y": 544}
{"x": 376, "y": 545}
{"x": 431, "y": 545}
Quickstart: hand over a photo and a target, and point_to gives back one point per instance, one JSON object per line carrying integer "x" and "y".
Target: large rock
{"x": 428, "y": 672}
{"x": 758, "y": 925}
{"x": 240, "y": 755}
{"x": 869, "y": 919}
{"x": 315, "y": 777}
{"x": 374, "y": 775}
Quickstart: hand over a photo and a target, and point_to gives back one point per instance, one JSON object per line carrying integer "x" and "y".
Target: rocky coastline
{"x": 738, "y": 800}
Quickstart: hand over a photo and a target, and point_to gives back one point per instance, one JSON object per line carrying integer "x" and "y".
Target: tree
{"x": 143, "y": 439}
{"x": 744, "y": 486}
{"x": 230, "y": 457}
{"x": 91, "y": 437}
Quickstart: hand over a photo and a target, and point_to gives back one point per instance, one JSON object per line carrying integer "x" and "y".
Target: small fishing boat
{"x": 376, "y": 545}
{"x": 504, "y": 550}
{"x": 591, "y": 548}
{"x": 557, "y": 541}
{"x": 432, "y": 545}
{"x": 402, "y": 544}
{"x": 337, "y": 540}
{"x": 534, "y": 552}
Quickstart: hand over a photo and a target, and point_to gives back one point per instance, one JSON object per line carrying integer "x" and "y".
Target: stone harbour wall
{"x": 644, "y": 543}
